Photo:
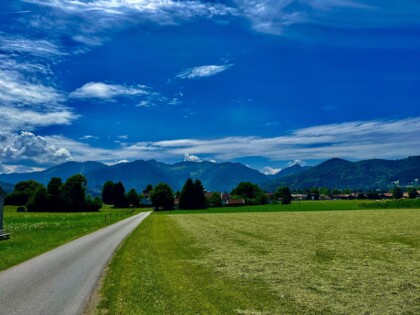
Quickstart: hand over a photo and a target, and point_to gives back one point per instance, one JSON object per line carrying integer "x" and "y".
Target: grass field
{"x": 326, "y": 262}
{"x": 35, "y": 233}
{"x": 309, "y": 205}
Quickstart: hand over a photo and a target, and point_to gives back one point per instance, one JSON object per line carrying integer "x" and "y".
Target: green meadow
{"x": 309, "y": 205}
{"x": 35, "y": 233}
{"x": 262, "y": 262}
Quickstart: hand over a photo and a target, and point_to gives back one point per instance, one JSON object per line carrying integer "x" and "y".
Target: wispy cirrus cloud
{"x": 17, "y": 89}
{"x": 92, "y": 22}
{"x": 35, "y": 47}
{"x": 203, "y": 71}
{"x": 351, "y": 140}
{"x": 273, "y": 16}
{"x": 26, "y": 101}
{"x": 142, "y": 95}
{"x": 105, "y": 91}
{"x": 16, "y": 118}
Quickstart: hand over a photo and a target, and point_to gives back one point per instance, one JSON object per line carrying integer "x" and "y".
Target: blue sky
{"x": 267, "y": 83}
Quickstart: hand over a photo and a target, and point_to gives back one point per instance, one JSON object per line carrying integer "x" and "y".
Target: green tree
{"x": 39, "y": 201}
{"x": 192, "y": 195}
{"x": 252, "y": 193}
{"x": 93, "y": 204}
{"x": 314, "y": 193}
{"x": 120, "y": 200}
{"x": 186, "y": 197}
{"x": 22, "y": 193}
{"x": 133, "y": 198}
{"x": 284, "y": 195}
{"x": 162, "y": 197}
{"x": 397, "y": 192}
{"x": 108, "y": 193}
{"x": 54, "y": 188}
{"x": 215, "y": 200}
{"x": 336, "y": 191}
{"x": 74, "y": 198}
{"x": 412, "y": 192}
{"x": 324, "y": 191}
{"x": 148, "y": 189}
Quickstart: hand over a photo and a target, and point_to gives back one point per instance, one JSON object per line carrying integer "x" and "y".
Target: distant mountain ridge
{"x": 140, "y": 173}
{"x": 361, "y": 175}
{"x": 333, "y": 173}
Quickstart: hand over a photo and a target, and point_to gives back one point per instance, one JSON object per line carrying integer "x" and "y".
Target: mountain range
{"x": 333, "y": 173}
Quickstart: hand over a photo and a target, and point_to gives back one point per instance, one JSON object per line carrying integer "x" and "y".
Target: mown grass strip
{"x": 159, "y": 271}
{"x": 35, "y": 233}
{"x": 342, "y": 262}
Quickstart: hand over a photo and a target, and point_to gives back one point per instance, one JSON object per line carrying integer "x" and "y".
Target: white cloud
{"x": 273, "y": 16}
{"x": 28, "y": 69}
{"x": 16, "y": 89}
{"x": 144, "y": 103}
{"x": 123, "y": 137}
{"x": 39, "y": 48}
{"x": 12, "y": 168}
{"x": 296, "y": 162}
{"x": 5, "y": 169}
{"x": 352, "y": 140}
{"x": 28, "y": 146}
{"x": 192, "y": 158}
{"x": 26, "y": 102}
{"x": 203, "y": 71}
{"x": 92, "y": 22}
{"x": 88, "y": 137}
{"x": 15, "y": 118}
{"x": 267, "y": 170}
{"x": 104, "y": 91}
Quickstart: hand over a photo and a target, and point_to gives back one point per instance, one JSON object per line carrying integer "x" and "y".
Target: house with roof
{"x": 3, "y": 234}
{"x": 235, "y": 203}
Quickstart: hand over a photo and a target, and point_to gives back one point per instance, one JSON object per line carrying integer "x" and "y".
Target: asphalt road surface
{"x": 61, "y": 281}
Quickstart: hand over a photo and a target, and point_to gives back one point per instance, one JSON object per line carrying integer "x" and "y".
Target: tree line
{"x": 56, "y": 197}
{"x": 71, "y": 195}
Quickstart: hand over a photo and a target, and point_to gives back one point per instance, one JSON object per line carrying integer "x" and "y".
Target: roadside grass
{"x": 325, "y": 262}
{"x": 306, "y": 205}
{"x": 35, "y": 233}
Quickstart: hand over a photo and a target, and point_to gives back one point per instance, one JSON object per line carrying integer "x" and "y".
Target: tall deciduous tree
{"x": 397, "y": 192}
{"x": 283, "y": 194}
{"x": 39, "y": 201}
{"x": 215, "y": 200}
{"x": 74, "y": 189}
{"x": 412, "y": 193}
{"x": 54, "y": 188}
{"x": 22, "y": 193}
{"x": 133, "y": 198}
{"x": 252, "y": 193}
{"x": 148, "y": 189}
{"x": 162, "y": 197}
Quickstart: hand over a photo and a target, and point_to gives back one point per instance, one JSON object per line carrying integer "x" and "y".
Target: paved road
{"x": 62, "y": 280}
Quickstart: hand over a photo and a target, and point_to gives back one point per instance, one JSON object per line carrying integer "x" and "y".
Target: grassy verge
{"x": 35, "y": 233}
{"x": 342, "y": 262}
